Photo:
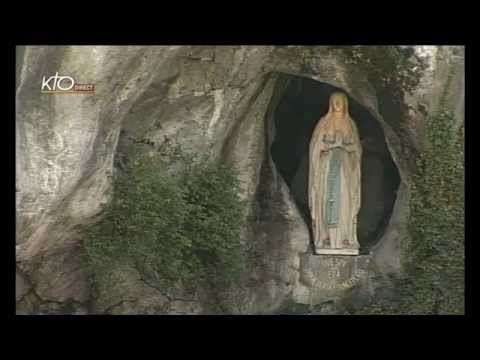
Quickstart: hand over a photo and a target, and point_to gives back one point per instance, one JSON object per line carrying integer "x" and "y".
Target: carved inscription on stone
{"x": 334, "y": 273}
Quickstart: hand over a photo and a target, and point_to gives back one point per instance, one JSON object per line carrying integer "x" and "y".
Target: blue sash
{"x": 332, "y": 199}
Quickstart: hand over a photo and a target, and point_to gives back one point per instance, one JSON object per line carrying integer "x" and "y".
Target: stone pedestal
{"x": 329, "y": 277}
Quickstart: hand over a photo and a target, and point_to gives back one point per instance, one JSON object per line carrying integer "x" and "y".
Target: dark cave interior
{"x": 302, "y": 104}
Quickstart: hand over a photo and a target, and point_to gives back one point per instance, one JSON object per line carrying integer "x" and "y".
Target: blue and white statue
{"x": 334, "y": 180}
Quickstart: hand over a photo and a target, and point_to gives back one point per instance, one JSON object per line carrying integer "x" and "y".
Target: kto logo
{"x": 64, "y": 84}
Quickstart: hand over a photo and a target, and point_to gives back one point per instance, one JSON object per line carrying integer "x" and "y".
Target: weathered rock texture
{"x": 219, "y": 100}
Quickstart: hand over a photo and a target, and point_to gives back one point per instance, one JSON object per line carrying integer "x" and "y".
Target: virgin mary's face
{"x": 337, "y": 103}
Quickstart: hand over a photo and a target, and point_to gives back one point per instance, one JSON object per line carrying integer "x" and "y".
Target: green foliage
{"x": 179, "y": 227}
{"x": 437, "y": 221}
{"x": 433, "y": 280}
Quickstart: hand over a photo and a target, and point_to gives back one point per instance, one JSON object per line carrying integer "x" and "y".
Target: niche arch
{"x": 300, "y": 105}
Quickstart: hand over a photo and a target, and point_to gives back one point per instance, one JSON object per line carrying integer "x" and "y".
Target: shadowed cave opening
{"x": 303, "y": 103}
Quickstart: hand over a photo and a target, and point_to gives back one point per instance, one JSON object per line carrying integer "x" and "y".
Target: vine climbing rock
{"x": 216, "y": 100}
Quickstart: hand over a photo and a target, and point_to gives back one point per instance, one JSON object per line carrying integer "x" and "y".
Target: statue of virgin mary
{"x": 334, "y": 180}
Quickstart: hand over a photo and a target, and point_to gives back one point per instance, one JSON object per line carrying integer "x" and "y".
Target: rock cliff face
{"x": 223, "y": 100}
